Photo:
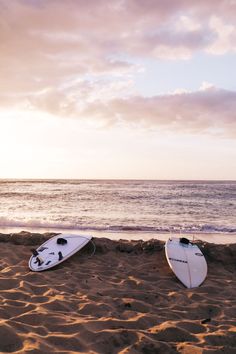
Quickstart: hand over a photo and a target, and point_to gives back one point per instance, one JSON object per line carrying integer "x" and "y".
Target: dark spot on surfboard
{"x": 42, "y": 249}
{"x": 60, "y": 256}
{"x": 177, "y": 260}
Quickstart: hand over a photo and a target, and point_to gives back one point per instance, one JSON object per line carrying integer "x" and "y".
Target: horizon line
{"x": 116, "y": 179}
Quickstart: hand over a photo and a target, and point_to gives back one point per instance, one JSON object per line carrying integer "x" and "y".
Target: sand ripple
{"x": 124, "y": 299}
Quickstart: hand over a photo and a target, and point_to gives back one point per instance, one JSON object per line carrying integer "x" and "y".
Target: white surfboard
{"x": 186, "y": 261}
{"x": 56, "y": 250}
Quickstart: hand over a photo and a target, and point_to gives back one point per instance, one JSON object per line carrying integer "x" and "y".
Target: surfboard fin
{"x": 39, "y": 261}
{"x": 184, "y": 240}
{"x": 34, "y": 252}
{"x": 61, "y": 241}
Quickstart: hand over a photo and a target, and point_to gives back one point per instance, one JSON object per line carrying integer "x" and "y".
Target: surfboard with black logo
{"x": 186, "y": 261}
{"x": 56, "y": 250}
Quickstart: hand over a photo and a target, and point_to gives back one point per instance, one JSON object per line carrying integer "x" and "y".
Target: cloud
{"x": 45, "y": 36}
{"x": 77, "y": 58}
{"x": 226, "y": 35}
{"x": 209, "y": 110}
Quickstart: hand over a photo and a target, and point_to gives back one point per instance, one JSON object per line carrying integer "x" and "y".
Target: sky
{"x": 127, "y": 89}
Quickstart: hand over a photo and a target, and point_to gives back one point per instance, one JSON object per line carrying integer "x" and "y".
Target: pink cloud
{"x": 50, "y": 50}
{"x": 49, "y": 31}
{"x": 209, "y": 111}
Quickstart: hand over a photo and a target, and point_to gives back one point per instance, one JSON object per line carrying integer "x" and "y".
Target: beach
{"x": 122, "y": 299}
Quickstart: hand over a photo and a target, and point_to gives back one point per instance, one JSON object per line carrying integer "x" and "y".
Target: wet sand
{"x": 123, "y": 299}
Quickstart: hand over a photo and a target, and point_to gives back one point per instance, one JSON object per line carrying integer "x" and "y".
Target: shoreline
{"x": 216, "y": 238}
{"x": 123, "y": 299}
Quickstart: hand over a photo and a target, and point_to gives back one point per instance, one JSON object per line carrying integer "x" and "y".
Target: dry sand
{"x": 123, "y": 299}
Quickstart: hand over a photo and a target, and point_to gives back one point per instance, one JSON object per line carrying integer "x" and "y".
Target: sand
{"x": 123, "y": 299}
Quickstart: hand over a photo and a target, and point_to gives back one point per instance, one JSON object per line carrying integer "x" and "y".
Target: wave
{"x": 42, "y": 225}
{"x": 8, "y": 223}
{"x": 176, "y": 229}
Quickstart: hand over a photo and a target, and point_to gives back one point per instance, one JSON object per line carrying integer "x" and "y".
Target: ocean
{"x": 130, "y": 208}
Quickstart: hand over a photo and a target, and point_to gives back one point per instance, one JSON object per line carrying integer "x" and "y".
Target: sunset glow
{"x": 118, "y": 89}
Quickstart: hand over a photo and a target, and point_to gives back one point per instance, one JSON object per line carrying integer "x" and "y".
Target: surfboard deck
{"x": 186, "y": 261}
{"x": 52, "y": 253}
